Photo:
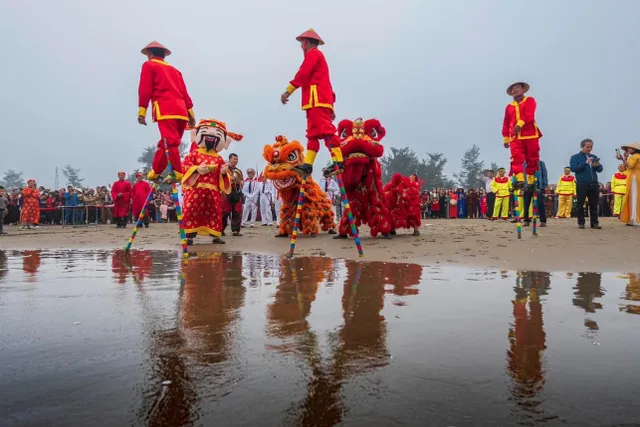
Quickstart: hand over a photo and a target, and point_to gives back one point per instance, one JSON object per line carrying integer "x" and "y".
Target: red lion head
{"x": 361, "y": 139}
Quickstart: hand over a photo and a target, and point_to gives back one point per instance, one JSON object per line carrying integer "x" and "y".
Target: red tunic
{"x": 524, "y": 115}
{"x": 313, "y": 78}
{"x": 30, "y": 205}
{"x": 453, "y": 209}
{"x": 162, "y": 84}
{"x": 121, "y": 203}
{"x": 139, "y": 194}
{"x": 202, "y": 193}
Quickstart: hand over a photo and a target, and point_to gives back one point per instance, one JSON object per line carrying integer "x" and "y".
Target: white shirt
{"x": 267, "y": 190}
{"x": 250, "y": 190}
{"x": 487, "y": 183}
{"x": 329, "y": 186}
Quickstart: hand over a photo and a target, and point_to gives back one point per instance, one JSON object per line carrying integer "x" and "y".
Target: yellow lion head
{"x": 282, "y": 156}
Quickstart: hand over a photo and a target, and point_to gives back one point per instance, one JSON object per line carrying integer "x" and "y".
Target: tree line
{"x": 397, "y": 160}
{"x": 431, "y": 168}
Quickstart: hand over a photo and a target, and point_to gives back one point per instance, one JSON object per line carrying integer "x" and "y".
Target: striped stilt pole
{"x": 535, "y": 207}
{"x": 296, "y": 222}
{"x": 347, "y": 208}
{"x": 140, "y": 217}
{"x": 516, "y": 207}
{"x": 176, "y": 201}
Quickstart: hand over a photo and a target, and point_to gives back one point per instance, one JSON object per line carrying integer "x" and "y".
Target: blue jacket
{"x": 71, "y": 199}
{"x": 585, "y": 174}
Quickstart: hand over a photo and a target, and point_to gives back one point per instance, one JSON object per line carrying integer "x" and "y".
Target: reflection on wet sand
{"x": 31, "y": 261}
{"x": 632, "y": 293}
{"x": 589, "y": 288}
{"x": 190, "y": 359}
{"x": 360, "y": 343}
{"x": 3, "y": 266}
{"x": 527, "y": 342}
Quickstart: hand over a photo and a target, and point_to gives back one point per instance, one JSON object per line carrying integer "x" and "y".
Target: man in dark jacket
{"x": 586, "y": 167}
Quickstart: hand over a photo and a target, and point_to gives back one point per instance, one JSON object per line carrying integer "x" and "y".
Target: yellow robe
{"x": 565, "y": 190}
{"x": 619, "y": 189}
{"x": 630, "y": 213}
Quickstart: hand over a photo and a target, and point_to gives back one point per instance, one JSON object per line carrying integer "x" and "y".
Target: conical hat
{"x": 155, "y": 44}
{"x": 310, "y": 34}
{"x": 524, "y": 84}
{"x": 635, "y": 146}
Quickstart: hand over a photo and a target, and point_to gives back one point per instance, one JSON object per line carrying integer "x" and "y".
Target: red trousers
{"x": 525, "y": 151}
{"x": 172, "y": 131}
{"x": 320, "y": 126}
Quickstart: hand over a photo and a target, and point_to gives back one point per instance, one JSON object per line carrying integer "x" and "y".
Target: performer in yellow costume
{"x": 566, "y": 190}
{"x": 501, "y": 187}
{"x": 619, "y": 188}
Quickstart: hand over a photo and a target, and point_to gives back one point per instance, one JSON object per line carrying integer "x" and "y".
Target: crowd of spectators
{"x": 82, "y": 206}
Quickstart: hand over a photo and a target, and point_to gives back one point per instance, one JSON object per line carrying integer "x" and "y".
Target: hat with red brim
{"x": 157, "y": 45}
{"x": 310, "y": 34}
{"x": 523, "y": 84}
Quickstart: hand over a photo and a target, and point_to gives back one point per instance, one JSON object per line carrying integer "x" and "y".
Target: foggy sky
{"x": 433, "y": 72}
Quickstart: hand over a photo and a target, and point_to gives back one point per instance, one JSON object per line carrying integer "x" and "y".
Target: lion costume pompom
{"x": 317, "y": 213}
{"x": 403, "y": 197}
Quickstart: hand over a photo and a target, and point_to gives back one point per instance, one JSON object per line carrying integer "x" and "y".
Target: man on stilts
{"x": 521, "y": 134}
{"x": 317, "y": 100}
{"x": 172, "y": 108}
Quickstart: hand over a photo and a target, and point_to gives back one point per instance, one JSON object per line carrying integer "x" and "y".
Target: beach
{"x": 474, "y": 243}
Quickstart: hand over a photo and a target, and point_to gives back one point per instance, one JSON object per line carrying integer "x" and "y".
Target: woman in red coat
{"x": 139, "y": 194}
{"x": 453, "y": 204}
{"x": 31, "y": 205}
{"x": 121, "y": 194}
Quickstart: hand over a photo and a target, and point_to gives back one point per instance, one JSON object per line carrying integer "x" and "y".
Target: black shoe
{"x": 526, "y": 223}
{"x": 304, "y": 170}
{"x": 217, "y": 241}
{"x": 596, "y": 227}
{"x": 189, "y": 242}
{"x": 387, "y": 236}
{"x": 332, "y": 231}
{"x": 146, "y": 226}
{"x": 393, "y": 232}
{"x": 581, "y": 226}
{"x": 341, "y": 236}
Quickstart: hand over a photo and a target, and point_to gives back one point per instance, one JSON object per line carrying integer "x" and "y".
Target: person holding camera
{"x": 586, "y": 167}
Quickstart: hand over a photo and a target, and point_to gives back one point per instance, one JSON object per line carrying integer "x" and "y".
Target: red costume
{"x": 121, "y": 194}
{"x": 403, "y": 198}
{"x": 383, "y": 210}
{"x": 453, "y": 204}
{"x": 317, "y": 99}
{"x": 525, "y": 146}
{"x": 163, "y": 85}
{"x": 139, "y": 194}
{"x": 31, "y": 204}
{"x": 205, "y": 177}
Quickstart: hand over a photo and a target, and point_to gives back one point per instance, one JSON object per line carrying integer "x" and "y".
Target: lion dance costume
{"x": 397, "y": 205}
{"x": 283, "y": 156}
{"x": 317, "y": 100}
{"x": 403, "y": 198}
{"x": 206, "y": 176}
{"x": 521, "y": 134}
{"x": 163, "y": 86}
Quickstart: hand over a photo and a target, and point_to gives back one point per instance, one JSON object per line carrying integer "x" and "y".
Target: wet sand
{"x": 467, "y": 243}
{"x": 99, "y": 338}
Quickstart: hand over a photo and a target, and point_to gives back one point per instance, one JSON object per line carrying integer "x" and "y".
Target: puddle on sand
{"x": 94, "y": 338}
